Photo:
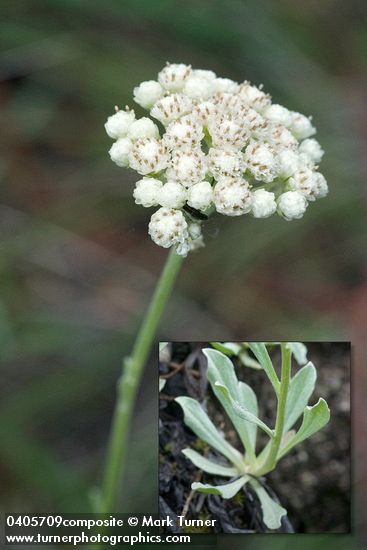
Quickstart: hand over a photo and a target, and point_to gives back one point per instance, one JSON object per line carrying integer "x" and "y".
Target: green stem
{"x": 128, "y": 385}
{"x": 271, "y": 459}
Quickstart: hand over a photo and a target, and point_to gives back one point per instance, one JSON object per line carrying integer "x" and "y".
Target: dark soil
{"x": 312, "y": 482}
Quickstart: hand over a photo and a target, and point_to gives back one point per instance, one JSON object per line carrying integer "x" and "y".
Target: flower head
{"x": 148, "y": 155}
{"x": 148, "y": 93}
{"x": 292, "y": 205}
{"x": 232, "y": 196}
{"x": 167, "y": 227}
{"x": 146, "y": 192}
{"x": 118, "y": 125}
{"x": 263, "y": 203}
{"x": 225, "y": 147}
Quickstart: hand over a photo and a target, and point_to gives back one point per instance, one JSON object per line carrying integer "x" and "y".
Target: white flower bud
{"x": 198, "y": 88}
{"x": 292, "y": 205}
{"x": 210, "y": 76}
{"x": 261, "y": 161}
{"x": 263, "y": 203}
{"x": 146, "y": 192}
{"x": 278, "y": 136}
{"x": 172, "y": 195}
{"x": 278, "y": 114}
{"x": 185, "y": 132}
{"x": 148, "y": 155}
{"x": 226, "y": 102}
{"x": 118, "y": 124}
{"x": 301, "y": 126}
{"x": 305, "y": 182}
{"x": 204, "y": 112}
{"x": 200, "y": 195}
{"x": 253, "y": 96}
{"x": 288, "y": 162}
{"x": 143, "y": 128}
{"x": 227, "y": 163}
{"x": 148, "y": 93}
{"x": 120, "y": 151}
{"x": 312, "y": 149}
{"x": 174, "y": 76}
{"x": 225, "y": 85}
{"x": 256, "y": 123}
{"x": 171, "y": 108}
{"x": 321, "y": 188}
{"x": 228, "y": 132}
{"x": 168, "y": 227}
{"x": 187, "y": 166}
{"x": 306, "y": 162}
{"x": 232, "y": 196}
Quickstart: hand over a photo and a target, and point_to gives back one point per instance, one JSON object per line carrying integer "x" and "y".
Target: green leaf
{"x": 208, "y": 466}
{"x": 299, "y": 351}
{"x": 162, "y": 383}
{"x": 228, "y": 490}
{"x": 228, "y": 348}
{"x": 272, "y": 511}
{"x": 261, "y": 354}
{"x": 301, "y": 388}
{"x": 248, "y": 361}
{"x": 242, "y": 412}
{"x": 220, "y": 369}
{"x": 314, "y": 418}
{"x": 199, "y": 422}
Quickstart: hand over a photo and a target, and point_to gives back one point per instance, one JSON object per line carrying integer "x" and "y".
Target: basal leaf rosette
{"x": 214, "y": 145}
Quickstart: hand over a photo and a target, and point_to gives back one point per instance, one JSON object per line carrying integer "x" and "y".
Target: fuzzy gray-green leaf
{"x": 299, "y": 351}
{"x": 248, "y": 361}
{"x": 226, "y": 491}
{"x": 261, "y": 354}
{"x": 272, "y": 511}
{"x": 208, "y": 465}
{"x": 196, "y": 418}
{"x": 301, "y": 388}
{"x": 220, "y": 369}
{"x": 242, "y": 412}
{"x": 314, "y": 419}
{"x": 228, "y": 348}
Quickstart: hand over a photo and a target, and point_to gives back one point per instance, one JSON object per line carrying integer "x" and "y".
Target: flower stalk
{"x": 128, "y": 384}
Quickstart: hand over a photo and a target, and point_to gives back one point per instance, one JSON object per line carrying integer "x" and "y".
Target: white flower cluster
{"x": 222, "y": 147}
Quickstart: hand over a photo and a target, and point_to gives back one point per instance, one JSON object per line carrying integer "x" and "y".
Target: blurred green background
{"x": 77, "y": 266}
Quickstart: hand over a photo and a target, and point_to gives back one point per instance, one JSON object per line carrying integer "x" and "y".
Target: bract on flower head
{"x": 214, "y": 145}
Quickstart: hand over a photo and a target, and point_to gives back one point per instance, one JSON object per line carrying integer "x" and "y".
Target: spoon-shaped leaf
{"x": 242, "y": 412}
{"x": 299, "y": 351}
{"x": 314, "y": 418}
{"x": 228, "y": 348}
{"x": 301, "y": 388}
{"x": 220, "y": 369}
{"x": 208, "y": 465}
{"x": 261, "y": 354}
{"x": 197, "y": 419}
{"x": 225, "y": 491}
{"x": 272, "y": 511}
{"x": 248, "y": 361}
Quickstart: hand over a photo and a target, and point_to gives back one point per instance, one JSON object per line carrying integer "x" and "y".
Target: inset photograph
{"x": 254, "y": 437}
